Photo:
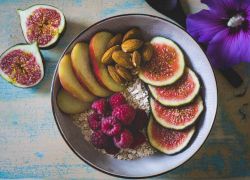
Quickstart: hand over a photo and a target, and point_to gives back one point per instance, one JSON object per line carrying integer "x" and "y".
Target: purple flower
{"x": 224, "y": 29}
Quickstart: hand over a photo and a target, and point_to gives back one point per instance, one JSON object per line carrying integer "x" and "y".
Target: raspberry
{"x": 110, "y": 126}
{"x": 140, "y": 120}
{"x": 100, "y": 106}
{"x": 124, "y": 139}
{"x": 110, "y": 148}
{"x": 139, "y": 139}
{"x": 116, "y": 100}
{"x": 98, "y": 139}
{"x": 94, "y": 121}
{"x": 124, "y": 113}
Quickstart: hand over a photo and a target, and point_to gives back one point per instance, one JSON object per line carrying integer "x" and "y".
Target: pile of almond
{"x": 125, "y": 55}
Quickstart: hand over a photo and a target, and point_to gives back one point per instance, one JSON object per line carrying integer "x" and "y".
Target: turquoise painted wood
{"x": 30, "y": 143}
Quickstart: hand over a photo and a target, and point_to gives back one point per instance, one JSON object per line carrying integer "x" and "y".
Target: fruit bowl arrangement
{"x": 134, "y": 100}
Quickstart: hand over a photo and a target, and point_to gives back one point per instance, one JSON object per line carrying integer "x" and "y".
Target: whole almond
{"x": 131, "y": 45}
{"x": 123, "y": 72}
{"x": 134, "y": 33}
{"x": 147, "y": 51}
{"x": 136, "y": 59}
{"x": 123, "y": 59}
{"x": 116, "y": 40}
{"x": 115, "y": 76}
{"x": 107, "y": 56}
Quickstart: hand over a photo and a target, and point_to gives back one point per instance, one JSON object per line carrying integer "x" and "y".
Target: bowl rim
{"x": 53, "y": 84}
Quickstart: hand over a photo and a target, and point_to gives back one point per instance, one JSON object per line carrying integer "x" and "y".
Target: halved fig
{"x": 22, "y": 65}
{"x": 167, "y": 140}
{"x": 181, "y": 92}
{"x": 166, "y": 65}
{"x": 176, "y": 117}
{"x": 43, "y": 24}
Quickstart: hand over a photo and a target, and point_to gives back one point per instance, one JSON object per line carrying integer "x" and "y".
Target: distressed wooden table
{"x": 31, "y": 145}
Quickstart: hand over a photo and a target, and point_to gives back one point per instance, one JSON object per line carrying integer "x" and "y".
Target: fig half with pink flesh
{"x": 166, "y": 140}
{"x": 43, "y": 24}
{"x": 22, "y": 65}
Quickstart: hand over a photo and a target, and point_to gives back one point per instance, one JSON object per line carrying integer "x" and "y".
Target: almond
{"x": 116, "y": 40}
{"x": 136, "y": 59}
{"x": 115, "y": 76}
{"x": 147, "y": 51}
{"x": 123, "y": 59}
{"x": 107, "y": 56}
{"x": 131, "y": 45}
{"x": 134, "y": 33}
{"x": 135, "y": 71}
{"x": 123, "y": 72}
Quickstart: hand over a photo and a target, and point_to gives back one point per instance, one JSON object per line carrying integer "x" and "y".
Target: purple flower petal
{"x": 227, "y": 49}
{"x": 246, "y": 9}
{"x": 204, "y": 25}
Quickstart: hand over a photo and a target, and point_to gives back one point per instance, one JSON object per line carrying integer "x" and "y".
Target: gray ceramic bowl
{"x": 158, "y": 163}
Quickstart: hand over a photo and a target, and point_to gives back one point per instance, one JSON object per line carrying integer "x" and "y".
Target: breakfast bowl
{"x": 158, "y": 163}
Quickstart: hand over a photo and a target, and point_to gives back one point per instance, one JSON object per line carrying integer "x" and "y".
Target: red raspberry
{"x": 124, "y": 113}
{"x": 110, "y": 126}
{"x": 100, "y": 106}
{"x": 94, "y": 121}
{"x": 141, "y": 120}
{"x": 116, "y": 99}
{"x": 139, "y": 139}
{"x": 124, "y": 139}
{"x": 110, "y": 148}
{"x": 98, "y": 139}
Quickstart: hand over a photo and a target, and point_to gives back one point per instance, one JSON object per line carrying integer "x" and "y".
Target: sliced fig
{"x": 176, "y": 117}
{"x": 43, "y": 24}
{"x": 181, "y": 92}
{"x": 167, "y": 64}
{"x": 167, "y": 140}
{"x": 22, "y": 65}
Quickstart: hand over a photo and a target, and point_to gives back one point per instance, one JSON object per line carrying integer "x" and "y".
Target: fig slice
{"x": 43, "y": 24}
{"x": 166, "y": 140}
{"x": 22, "y": 65}
{"x": 181, "y": 92}
{"x": 179, "y": 117}
{"x": 166, "y": 65}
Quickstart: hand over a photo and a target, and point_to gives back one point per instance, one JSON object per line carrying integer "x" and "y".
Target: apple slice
{"x": 97, "y": 48}
{"x": 82, "y": 68}
{"x": 69, "y": 104}
{"x": 70, "y": 83}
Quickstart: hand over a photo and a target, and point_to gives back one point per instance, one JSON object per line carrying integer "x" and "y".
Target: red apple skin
{"x": 81, "y": 64}
{"x": 97, "y": 47}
